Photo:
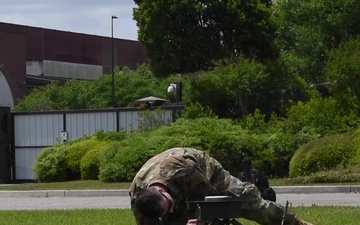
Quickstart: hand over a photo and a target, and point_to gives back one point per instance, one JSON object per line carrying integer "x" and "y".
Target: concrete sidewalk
{"x": 122, "y": 192}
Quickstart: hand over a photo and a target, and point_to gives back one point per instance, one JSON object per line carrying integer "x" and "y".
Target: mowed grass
{"x": 66, "y": 185}
{"x": 328, "y": 215}
{"x": 97, "y": 184}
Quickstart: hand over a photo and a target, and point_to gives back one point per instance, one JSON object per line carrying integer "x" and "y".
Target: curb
{"x": 124, "y": 192}
{"x": 65, "y": 193}
{"x": 316, "y": 189}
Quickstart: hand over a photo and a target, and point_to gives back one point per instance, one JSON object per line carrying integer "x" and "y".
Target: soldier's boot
{"x": 302, "y": 222}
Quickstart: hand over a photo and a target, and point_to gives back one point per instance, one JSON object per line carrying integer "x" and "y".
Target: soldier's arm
{"x": 223, "y": 181}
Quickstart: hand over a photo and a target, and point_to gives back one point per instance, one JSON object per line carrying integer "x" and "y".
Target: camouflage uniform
{"x": 191, "y": 174}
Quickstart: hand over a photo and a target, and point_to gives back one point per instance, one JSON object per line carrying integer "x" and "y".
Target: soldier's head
{"x": 154, "y": 202}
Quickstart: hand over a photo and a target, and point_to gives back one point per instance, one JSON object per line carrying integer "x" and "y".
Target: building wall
{"x": 6, "y": 98}
{"x": 72, "y": 70}
{"x": 12, "y": 60}
{"x": 21, "y": 44}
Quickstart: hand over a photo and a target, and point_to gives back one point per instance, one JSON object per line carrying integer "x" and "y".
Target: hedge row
{"x": 119, "y": 158}
{"x": 79, "y": 159}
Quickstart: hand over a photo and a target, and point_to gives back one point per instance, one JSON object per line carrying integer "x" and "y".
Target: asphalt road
{"x": 121, "y": 202}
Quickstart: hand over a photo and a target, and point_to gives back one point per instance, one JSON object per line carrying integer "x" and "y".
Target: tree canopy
{"x": 308, "y": 29}
{"x": 183, "y": 36}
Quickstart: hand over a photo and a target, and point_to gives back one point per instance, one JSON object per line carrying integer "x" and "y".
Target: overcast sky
{"x": 80, "y": 16}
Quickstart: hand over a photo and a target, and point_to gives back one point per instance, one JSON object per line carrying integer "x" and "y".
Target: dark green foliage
{"x": 308, "y": 29}
{"x": 90, "y": 162}
{"x": 232, "y": 148}
{"x": 51, "y": 164}
{"x": 330, "y": 152}
{"x": 151, "y": 119}
{"x": 123, "y": 160}
{"x": 222, "y": 138}
{"x": 320, "y": 115}
{"x": 234, "y": 90}
{"x": 278, "y": 144}
{"x": 196, "y": 110}
{"x": 95, "y": 94}
{"x": 343, "y": 70}
{"x": 331, "y": 176}
{"x": 76, "y": 153}
{"x": 189, "y": 36}
{"x": 110, "y": 136}
{"x": 75, "y": 159}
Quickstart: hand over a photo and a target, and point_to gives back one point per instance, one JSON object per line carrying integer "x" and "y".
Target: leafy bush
{"x": 196, "y": 110}
{"x": 51, "y": 164}
{"x": 332, "y": 176}
{"x": 124, "y": 160}
{"x": 151, "y": 119}
{"x": 76, "y": 153}
{"x": 221, "y": 138}
{"x": 110, "y": 136}
{"x": 322, "y": 115}
{"x": 342, "y": 70}
{"x": 234, "y": 90}
{"x": 90, "y": 162}
{"x": 330, "y": 152}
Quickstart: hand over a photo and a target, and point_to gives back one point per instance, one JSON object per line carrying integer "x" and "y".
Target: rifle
{"x": 218, "y": 210}
{"x": 223, "y": 210}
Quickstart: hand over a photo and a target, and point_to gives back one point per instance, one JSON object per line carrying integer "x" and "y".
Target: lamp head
{"x": 171, "y": 89}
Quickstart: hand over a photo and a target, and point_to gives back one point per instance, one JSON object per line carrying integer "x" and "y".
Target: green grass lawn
{"x": 96, "y": 184}
{"x": 318, "y": 215}
{"x": 66, "y": 185}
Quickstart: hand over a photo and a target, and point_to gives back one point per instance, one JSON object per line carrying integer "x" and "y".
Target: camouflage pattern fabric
{"x": 190, "y": 174}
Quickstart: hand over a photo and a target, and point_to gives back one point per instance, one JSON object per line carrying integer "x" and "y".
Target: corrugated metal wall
{"x": 37, "y": 130}
{"x": 86, "y": 124}
{"x": 32, "y": 132}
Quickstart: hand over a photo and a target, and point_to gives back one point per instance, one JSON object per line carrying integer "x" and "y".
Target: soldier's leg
{"x": 254, "y": 207}
{"x": 262, "y": 211}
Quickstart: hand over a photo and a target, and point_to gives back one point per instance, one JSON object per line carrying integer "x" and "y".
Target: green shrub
{"x": 330, "y": 152}
{"x": 342, "y": 69}
{"x": 323, "y": 115}
{"x": 110, "y": 136}
{"x": 123, "y": 161}
{"x": 351, "y": 174}
{"x": 90, "y": 162}
{"x": 221, "y": 138}
{"x": 231, "y": 148}
{"x": 196, "y": 110}
{"x": 51, "y": 164}
{"x": 76, "y": 153}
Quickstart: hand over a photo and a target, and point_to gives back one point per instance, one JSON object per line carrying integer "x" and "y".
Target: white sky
{"x": 80, "y": 16}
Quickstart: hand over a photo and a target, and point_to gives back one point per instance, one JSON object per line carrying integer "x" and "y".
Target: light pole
{"x": 112, "y": 61}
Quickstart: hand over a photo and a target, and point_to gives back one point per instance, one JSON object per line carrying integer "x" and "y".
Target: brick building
{"x": 31, "y": 56}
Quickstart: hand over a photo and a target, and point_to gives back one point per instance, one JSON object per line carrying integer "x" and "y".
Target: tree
{"x": 343, "y": 69}
{"x": 75, "y": 94}
{"x": 183, "y": 36}
{"x": 308, "y": 29}
{"x": 234, "y": 90}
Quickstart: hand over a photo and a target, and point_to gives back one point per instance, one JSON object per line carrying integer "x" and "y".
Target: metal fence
{"x": 32, "y": 132}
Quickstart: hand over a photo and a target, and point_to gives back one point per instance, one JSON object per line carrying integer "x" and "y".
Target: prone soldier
{"x": 162, "y": 187}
